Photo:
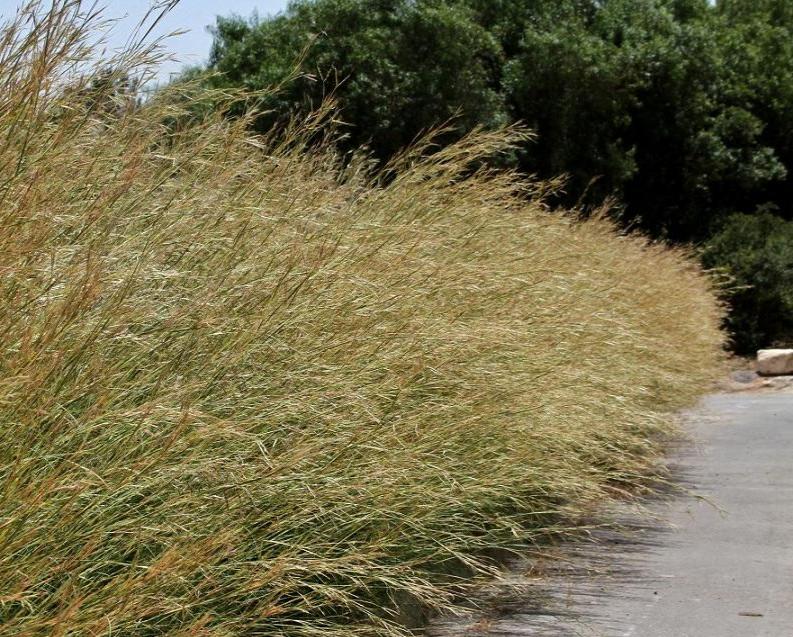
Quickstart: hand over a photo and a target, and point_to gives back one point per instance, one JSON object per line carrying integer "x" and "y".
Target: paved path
{"x": 715, "y": 567}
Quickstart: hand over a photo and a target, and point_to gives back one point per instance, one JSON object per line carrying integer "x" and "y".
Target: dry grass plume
{"x": 248, "y": 389}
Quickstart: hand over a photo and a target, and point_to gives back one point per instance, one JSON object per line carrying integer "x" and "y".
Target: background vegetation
{"x": 681, "y": 109}
{"x": 249, "y": 386}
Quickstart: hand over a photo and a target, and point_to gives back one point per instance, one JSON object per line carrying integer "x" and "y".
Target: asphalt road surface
{"x": 717, "y": 563}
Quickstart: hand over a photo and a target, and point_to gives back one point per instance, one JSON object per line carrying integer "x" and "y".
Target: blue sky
{"x": 193, "y": 15}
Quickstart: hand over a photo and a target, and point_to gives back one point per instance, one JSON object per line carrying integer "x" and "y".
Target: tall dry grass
{"x": 246, "y": 389}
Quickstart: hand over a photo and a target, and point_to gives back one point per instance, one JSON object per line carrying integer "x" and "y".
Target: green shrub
{"x": 757, "y": 252}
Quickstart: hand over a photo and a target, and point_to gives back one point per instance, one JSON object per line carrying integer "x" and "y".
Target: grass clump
{"x": 248, "y": 389}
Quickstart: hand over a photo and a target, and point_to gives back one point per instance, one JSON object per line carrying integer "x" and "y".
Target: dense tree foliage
{"x": 397, "y": 67}
{"x": 758, "y": 250}
{"x": 682, "y": 109}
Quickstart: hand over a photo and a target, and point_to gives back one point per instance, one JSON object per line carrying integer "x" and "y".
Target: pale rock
{"x": 775, "y": 362}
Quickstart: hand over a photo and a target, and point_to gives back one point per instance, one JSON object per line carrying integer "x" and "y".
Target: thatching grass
{"x": 246, "y": 389}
